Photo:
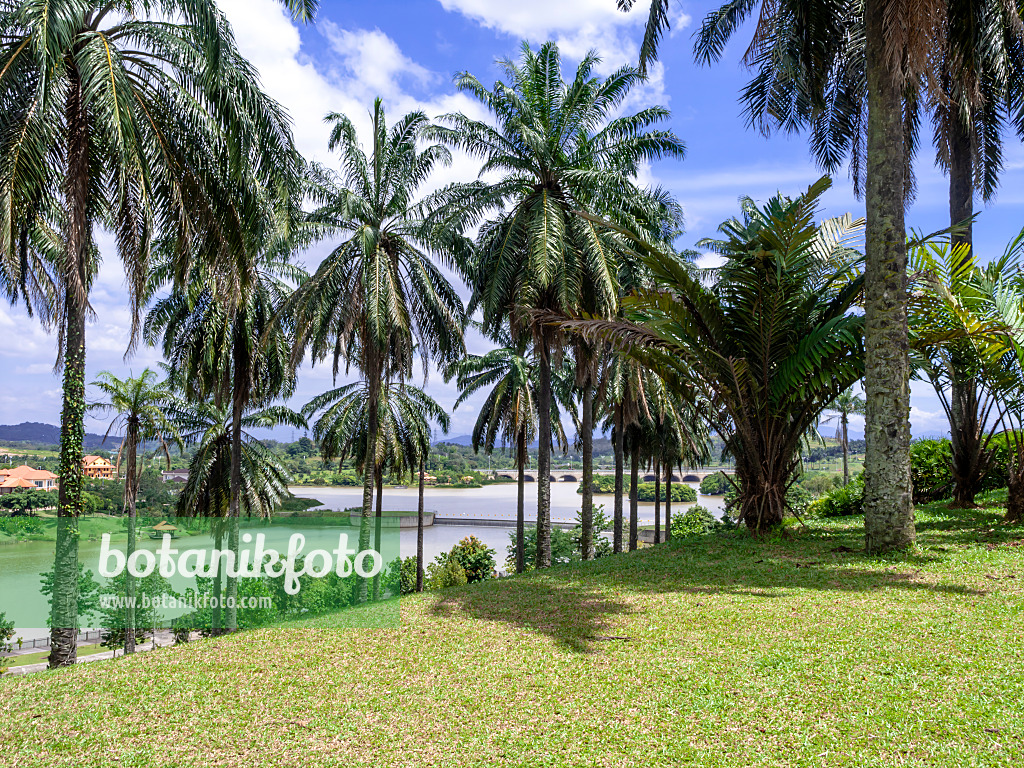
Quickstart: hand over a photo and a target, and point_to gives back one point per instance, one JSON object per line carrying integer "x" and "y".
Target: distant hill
{"x": 460, "y": 440}
{"x": 47, "y": 434}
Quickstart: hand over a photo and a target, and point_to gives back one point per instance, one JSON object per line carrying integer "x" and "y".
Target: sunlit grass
{"x": 723, "y": 651}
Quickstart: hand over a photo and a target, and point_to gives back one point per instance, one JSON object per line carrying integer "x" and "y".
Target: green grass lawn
{"x": 723, "y": 651}
{"x": 35, "y": 658}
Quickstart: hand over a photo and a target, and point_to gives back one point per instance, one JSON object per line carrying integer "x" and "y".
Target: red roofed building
{"x": 97, "y": 467}
{"x": 11, "y": 479}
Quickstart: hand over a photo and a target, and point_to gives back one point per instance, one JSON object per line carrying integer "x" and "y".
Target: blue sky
{"x": 407, "y": 51}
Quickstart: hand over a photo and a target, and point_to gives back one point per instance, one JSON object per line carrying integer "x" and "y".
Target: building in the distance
{"x": 97, "y": 467}
{"x": 175, "y": 476}
{"x": 16, "y": 478}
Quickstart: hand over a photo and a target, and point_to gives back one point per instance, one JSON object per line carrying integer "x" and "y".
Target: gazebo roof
{"x": 163, "y": 525}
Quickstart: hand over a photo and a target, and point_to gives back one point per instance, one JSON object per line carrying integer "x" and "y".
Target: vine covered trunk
{"x": 377, "y": 523}
{"x": 888, "y": 498}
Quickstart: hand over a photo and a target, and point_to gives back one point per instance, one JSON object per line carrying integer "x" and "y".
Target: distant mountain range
{"x": 47, "y": 434}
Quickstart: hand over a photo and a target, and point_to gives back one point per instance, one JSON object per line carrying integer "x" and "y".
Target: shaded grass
{"x": 719, "y": 651}
{"x": 35, "y": 658}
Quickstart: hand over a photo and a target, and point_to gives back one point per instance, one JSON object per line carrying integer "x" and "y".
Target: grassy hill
{"x": 722, "y": 651}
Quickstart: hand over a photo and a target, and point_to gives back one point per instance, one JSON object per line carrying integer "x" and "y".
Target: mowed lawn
{"x": 719, "y": 652}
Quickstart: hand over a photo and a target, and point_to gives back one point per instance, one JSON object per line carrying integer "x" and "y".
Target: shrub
{"x": 820, "y": 483}
{"x": 697, "y": 521}
{"x": 6, "y": 633}
{"x": 681, "y": 493}
{"x": 444, "y": 572}
{"x": 840, "y": 502}
{"x": 798, "y": 498}
{"x": 475, "y": 557}
{"x": 715, "y": 485}
{"x": 21, "y": 525}
{"x": 931, "y": 463}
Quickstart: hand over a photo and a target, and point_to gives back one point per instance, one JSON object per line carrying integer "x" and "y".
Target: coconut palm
{"x": 378, "y": 295}
{"x": 140, "y": 408}
{"x": 845, "y": 405}
{"x": 564, "y": 159}
{"x": 768, "y": 345}
{"x": 403, "y": 439}
{"x": 508, "y": 415}
{"x": 113, "y": 118}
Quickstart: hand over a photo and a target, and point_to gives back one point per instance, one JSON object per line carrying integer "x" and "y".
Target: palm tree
{"x": 565, "y": 159}
{"x": 139, "y": 405}
{"x": 113, "y": 118}
{"x": 768, "y": 345}
{"x": 509, "y": 414}
{"x": 210, "y": 430}
{"x": 378, "y": 296}
{"x": 845, "y": 405}
{"x": 403, "y": 436}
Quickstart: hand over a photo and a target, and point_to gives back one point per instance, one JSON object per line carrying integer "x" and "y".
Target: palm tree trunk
{"x": 634, "y": 478}
{"x": 419, "y": 529}
{"x": 961, "y": 183}
{"x": 657, "y": 501}
{"x": 846, "y": 450}
{"x": 239, "y": 396}
{"x": 217, "y": 622}
{"x": 888, "y": 499}
{"x": 587, "y": 532}
{"x": 521, "y": 503}
{"x": 377, "y": 523}
{"x": 131, "y": 491}
{"x": 668, "y": 501}
{"x": 1015, "y": 489}
{"x": 617, "y": 448}
{"x": 64, "y": 609}
{"x": 373, "y": 393}
{"x": 544, "y": 455}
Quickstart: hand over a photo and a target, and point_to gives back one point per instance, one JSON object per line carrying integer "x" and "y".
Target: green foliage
{"x": 88, "y": 593}
{"x": 931, "y": 463}
{"x": 475, "y": 557}
{"x": 115, "y": 616}
{"x": 715, "y": 485}
{"x": 840, "y": 502}
{"x": 6, "y": 633}
{"x": 21, "y": 525}
{"x": 819, "y": 483}
{"x": 28, "y": 500}
{"x": 697, "y": 521}
{"x": 405, "y": 571}
{"x": 681, "y": 492}
{"x": 444, "y": 572}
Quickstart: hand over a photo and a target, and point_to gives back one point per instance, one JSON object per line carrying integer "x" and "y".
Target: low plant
{"x": 445, "y": 572}
{"x": 715, "y": 485}
{"x": 697, "y": 521}
{"x": 840, "y": 502}
{"x": 475, "y": 557}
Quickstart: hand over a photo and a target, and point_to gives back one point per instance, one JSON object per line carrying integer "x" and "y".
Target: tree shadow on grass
{"x": 575, "y": 605}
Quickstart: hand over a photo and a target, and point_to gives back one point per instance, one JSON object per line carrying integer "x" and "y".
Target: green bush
{"x": 444, "y": 572}
{"x": 21, "y": 525}
{"x": 475, "y": 557}
{"x": 715, "y": 485}
{"x": 820, "y": 483}
{"x": 681, "y": 493}
{"x": 840, "y": 502}
{"x": 6, "y": 633}
{"x": 697, "y": 521}
{"x": 931, "y": 469}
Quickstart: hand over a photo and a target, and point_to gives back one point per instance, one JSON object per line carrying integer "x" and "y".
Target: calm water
{"x": 22, "y": 564}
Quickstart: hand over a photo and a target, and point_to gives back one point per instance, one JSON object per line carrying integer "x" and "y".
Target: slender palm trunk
{"x": 64, "y": 609}
{"x": 521, "y": 503}
{"x": 634, "y": 481}
{"x": 217, "y": 623}
{"x": 377, "y": 523}
{"x": 961, "y": 183}
{"x": 240, "y": 395}
{"x": 617, "y": 448}
{"x": 657, "y": 501}
{"x": 587, "y": 532}
{"x": 1015, "y": 488}
{"x": 419, "y": 529}
{"x": 888, "y": 499}
{"x": 846, "y": 450}
{"x": 131, "y": 492}
{"x": 544, "y": 455}
{"x": 373, "y": 394}
{"x": 668, "y": 501}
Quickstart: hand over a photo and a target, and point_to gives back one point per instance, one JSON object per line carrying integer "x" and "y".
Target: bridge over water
{"x": 575, "y": 475}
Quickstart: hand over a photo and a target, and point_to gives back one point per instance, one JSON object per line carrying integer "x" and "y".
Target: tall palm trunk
{"x": 657, "y": 501}
{"x": 634, "y": 481}
{"x": 64, "y": 609}
{"x": 419, "y": 529}
{"x": 961, "y": 183}
{"x": 377, "y": 523}
{"x": 544, "y": 455}
{"x": 888, "y": 500}
{"x": 521, "y": 502}
{"x": 617, "y": 448}
{"x": 668, "y": 501}
{"x": 1015, "y": 485}
{"x": 846, "y": 449}
{"x": 131, "y": 492}
{"x": 587, "y": 532}
{"x": 373, "y": 425}
{"x": 240, "y": 394}
{"x": 217, "y": 622}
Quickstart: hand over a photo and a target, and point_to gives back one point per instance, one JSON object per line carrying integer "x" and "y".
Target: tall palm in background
{"x": 112, "y": 118}
{"x": 565, "y": 158}
{"x": 508, "y": 415}
{"x": 847, "y": 404}
{"x": 404, "y": 434}
{"x": 378, "y": 299}
{"x": 140, "y": 409}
